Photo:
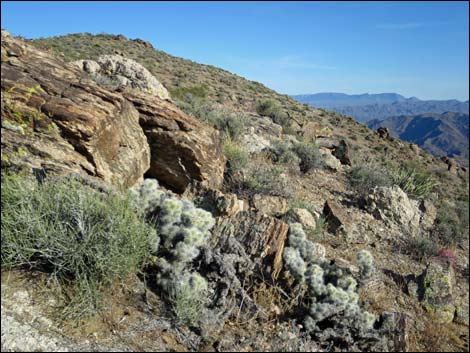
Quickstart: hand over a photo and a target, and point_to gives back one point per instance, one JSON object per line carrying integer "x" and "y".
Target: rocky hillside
{"x": 440, "y": 134}
{"x": 365, "y": 107}
{"x": 228, "y": 217}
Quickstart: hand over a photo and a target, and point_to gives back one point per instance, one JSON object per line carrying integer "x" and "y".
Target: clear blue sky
{"x": 415, "y": 49}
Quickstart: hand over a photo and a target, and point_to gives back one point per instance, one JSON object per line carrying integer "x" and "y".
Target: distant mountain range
{"x": 439, "y": 134}
{"x": 366, "y": 107}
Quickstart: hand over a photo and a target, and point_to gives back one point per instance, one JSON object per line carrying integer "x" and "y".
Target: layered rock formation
{"x": 55, "y": 118}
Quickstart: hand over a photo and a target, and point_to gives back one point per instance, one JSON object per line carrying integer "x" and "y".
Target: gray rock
{"x": 124, "y": 72}
{"x": 438, "y": 286}
{"x": 329, "y": 160}
{"x": 271, "y": 205}
{"x": 302, "y": 216}
{"x": 392, "y": 205}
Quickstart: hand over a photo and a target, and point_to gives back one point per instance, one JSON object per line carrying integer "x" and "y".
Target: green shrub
{"x": 364, "y": 178}
{"x": 421, "y": 247}
{"x": 189, "y": 93}
{"x": 266, "y": 179}
{"x": 230, "y": 124}
{"x": 237, "y": 157}
{"x": 82, "y": 237}
{"x": 284, "y": 154}
{"x": 309, "y": 154}
{"x": 274, "y": 111}
{"x": 452, "y": 222}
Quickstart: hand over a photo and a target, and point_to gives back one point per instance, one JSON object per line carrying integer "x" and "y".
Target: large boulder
{"x": 438, "y": 285}
{"x": 57, "y": 120}
{"x": 336, "y": 216}
{"x": 392, "y": 205}
{"x": 183, "y": 149}
{"x": 120, "y": 71}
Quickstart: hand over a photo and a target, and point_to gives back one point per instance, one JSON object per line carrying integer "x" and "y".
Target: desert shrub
{"x": 284, "y": 154}
{"x": 274, "y": 111}
{"x": 420, "y": 247}
{"x": 104, "y": 80}
{"x": 230, "y": 124}
{"x": 189, "y": 93}
{"x": 452, "y": 225}
{"x": 237, "y": 157}
{"x": 80, "y": 236}
{"x": 183, "y": 229}
{"x": 332, "y": 299}
{"x": 266, "y": 179}
{"x": 364, "y": 178}
{"x": 309, "y": 154}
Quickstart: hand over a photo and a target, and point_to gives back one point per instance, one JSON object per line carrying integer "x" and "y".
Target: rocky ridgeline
{"x": 111, "y": 122}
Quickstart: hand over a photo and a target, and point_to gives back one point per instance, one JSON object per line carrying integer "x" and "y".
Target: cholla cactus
{"x": 309, "y": 251}
{"x": 295, "y": 263}
{"x": 182, "y": 229}
{"x": 365, "y": 261}
{"x": 332, "y": 294}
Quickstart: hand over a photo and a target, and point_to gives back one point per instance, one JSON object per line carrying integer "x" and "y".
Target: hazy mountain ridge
{"x": 439, "y": 134}
{"x": 381, "y": 106}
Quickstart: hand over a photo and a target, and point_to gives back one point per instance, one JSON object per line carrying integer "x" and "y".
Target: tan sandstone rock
{"x": 64, "y": 121}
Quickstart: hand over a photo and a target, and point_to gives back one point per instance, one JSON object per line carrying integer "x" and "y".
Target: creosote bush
{"x": 421, "y": 247}
{"x": 82, "y": 237}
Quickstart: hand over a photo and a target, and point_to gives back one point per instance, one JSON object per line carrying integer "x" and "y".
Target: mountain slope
{"x": 439, "y": 134}
{"x": 282, "y": 180}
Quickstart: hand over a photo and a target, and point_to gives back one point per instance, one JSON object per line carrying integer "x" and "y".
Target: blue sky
{"x": 412, "y": 48}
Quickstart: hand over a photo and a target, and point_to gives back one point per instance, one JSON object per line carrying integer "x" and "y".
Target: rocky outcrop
{"x": 123, "y": 72}
{"x": 335, "y": 215}
{"x": 329, "y": 160}
{"x": 392, "y": 205}
{"x": 438, "y": 284}
{"x": 452, "y": 165}
{"x": 183, "y": 149}
{"x": 384, "y": 133}
{"x": 271, "y": 205}
{"x": 215, "y": 201}
{"x": 339, "y": 148}
{"x": 259, "y": 133}
{"x": 56, "y": 119}
{"x": 262, "y": 239}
